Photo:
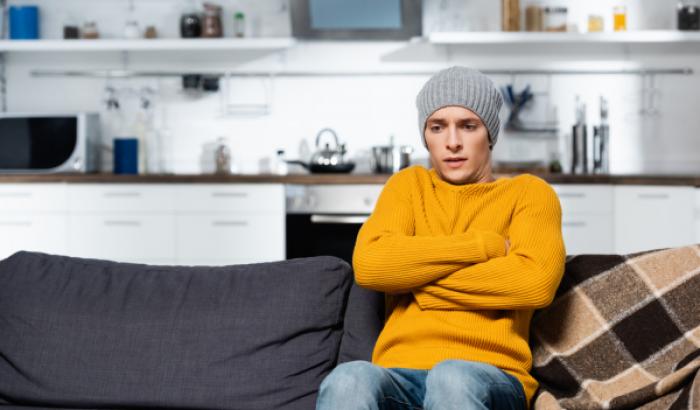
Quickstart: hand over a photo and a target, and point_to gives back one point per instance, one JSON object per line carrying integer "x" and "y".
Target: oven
{"x": 325, "y": 219}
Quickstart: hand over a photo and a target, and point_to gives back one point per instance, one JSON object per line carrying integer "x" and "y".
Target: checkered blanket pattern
{"x": 622, "y": 333}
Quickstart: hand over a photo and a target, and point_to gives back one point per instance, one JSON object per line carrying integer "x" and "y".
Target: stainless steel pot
{"x": 387, "y": 159}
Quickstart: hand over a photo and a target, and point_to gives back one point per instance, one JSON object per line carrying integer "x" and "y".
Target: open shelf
{"x": 544, "y": 38}
{"x": 198, "y": 44}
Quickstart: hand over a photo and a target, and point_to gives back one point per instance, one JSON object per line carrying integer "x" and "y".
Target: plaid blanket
{"x": 622, "y": 333}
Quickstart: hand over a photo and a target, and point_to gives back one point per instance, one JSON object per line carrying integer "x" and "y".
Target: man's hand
{"x": 507, "y": 246}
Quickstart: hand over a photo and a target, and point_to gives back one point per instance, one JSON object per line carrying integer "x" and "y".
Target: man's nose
{"x": 454, "y": 143}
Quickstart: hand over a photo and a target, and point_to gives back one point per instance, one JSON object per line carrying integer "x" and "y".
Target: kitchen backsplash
{"x": 365, "y": 110}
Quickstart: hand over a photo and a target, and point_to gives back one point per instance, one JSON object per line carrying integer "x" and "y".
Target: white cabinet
{"x": 195, "y": 224}
{"x": 587, "y": 213}
{"x": 651, "y": 217}
{"x": 229, "y": 224}
{"x": 33, "y": 218}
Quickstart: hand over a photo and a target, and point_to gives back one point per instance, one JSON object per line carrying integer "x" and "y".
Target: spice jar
{"x": 510, "y": 15}
{"x": 212, "y": 21}
{"x": 239, "y": 24}
{"x": 595, "y": 23}
{"x": 534, "y": 18}
{"x": 688, "y": 15}
{"x": 90, "y": 30}
{"x": 555, "y": 18}
{"x": 190, "y": 25}
{"x": 620, "y": 18}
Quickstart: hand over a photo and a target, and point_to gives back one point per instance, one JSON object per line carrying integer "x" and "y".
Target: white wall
{"x": 365, "y": 110}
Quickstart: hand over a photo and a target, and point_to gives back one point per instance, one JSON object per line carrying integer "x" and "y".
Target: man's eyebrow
{"x": 437, "y": 120}
{"x": 471, "y": 119}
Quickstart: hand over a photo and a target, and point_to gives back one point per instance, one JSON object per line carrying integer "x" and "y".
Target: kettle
{"x": 327, "y": 159}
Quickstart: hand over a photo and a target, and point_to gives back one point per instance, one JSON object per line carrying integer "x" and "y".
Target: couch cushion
{"x": 364, "y": 319}
{"x": 622, "y": 332}
{"x": 82, "y": 333}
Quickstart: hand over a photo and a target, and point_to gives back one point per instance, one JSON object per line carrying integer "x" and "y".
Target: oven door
{"x": 323, "y": 234}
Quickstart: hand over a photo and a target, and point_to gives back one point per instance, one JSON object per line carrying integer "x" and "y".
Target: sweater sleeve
{"x": 388, "y": 257}
{"x": 527, "y": 278}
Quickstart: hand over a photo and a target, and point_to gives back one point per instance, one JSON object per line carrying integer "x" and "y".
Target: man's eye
{"x": 470, "y": 127}
{"x": 435, "y": 128}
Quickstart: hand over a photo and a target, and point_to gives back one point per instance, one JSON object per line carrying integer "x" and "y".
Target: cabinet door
{"x": 229, "y": 197}
{"x": 587, "y": 213}
{"x": 123, "y": 237}
{"x": 140, "y": 198}
{"x": 652, "y": 217}
{"x": 39, "y": 232}
{"x": 230, "y": 238}
{"x": 33, "y": 197}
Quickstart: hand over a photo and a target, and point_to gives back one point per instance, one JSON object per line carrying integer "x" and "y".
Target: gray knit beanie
{"x": 464, "y": 87}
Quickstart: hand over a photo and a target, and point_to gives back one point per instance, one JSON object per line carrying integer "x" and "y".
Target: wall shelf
{"x": 544, "y": 38}
{"x": 199, "y": 44}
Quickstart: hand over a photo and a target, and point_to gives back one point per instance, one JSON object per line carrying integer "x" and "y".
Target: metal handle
{"x": 572, "y": 195}
{"x": 15, "y": 223}
{"x": 577, "y": 224}
{"x": 229, "y": 223}
{"x": 122, "y": 223}
{"x": 339, "y": 219}
{"x": 122, "y": 194}
{"x": 229, "y": 194}
{"x": 653, "y": 196}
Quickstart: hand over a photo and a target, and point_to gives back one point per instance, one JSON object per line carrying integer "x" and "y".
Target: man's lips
{"x": 455, "y": 162}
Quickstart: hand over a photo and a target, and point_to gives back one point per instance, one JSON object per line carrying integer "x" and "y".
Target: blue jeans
{"x": 451, "y": 384}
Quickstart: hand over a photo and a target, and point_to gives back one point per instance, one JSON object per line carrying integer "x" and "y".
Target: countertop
{"x": 306, "y": 179}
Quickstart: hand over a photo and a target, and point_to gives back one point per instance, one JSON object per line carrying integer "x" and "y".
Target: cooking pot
{"x": 387, "y": 159}
{"x": 327, "y": 159}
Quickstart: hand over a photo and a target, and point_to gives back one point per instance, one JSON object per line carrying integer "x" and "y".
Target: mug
{"x": 126, "y": 155}
{"x": 24, "y": 22}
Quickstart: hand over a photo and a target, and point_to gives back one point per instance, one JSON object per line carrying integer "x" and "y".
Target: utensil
{"x": 388, "y": 159}
{"x": 327, "y": 159}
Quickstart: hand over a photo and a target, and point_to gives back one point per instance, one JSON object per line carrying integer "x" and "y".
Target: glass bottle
{"x": 212, "y": 21}
{"x": 620, "y": 18}
{"x": 239, "y": 24}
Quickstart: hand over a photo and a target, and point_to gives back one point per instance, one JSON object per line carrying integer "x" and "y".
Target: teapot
{"x": 327, "y": 159}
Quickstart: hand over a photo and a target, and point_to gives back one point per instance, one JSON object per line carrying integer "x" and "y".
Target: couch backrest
{"x": 89, "y": 333}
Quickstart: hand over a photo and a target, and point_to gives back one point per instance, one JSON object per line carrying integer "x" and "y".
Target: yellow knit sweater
{"x": 438, "y": 251}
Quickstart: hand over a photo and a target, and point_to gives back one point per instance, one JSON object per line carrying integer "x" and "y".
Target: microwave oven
{"x": 37, "y": 143}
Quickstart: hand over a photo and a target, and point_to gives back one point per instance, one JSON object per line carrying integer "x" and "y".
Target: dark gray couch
{"x": 83, "y": 333}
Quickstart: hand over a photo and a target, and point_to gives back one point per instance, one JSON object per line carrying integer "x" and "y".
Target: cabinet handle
{"x": 572, "y": 195}
{"x": 122, "y": 223}
{"x": 16, "y": 194}
{"x": 229, "y": 194}
{"x": 230, "y": 223}
{"x": 652, "y": 196}
{"x": 121, "y": 194}
{"x": 577, "y": 224}
{"x": 15, "y": 223}
{"x": 338, "y": 219}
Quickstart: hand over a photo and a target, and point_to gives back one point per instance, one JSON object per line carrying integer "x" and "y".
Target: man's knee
{"x": 461, "y": 378}
{"x": 352, "y": 379}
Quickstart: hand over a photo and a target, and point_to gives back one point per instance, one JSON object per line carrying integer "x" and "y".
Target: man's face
{"x": 458, "y": 143}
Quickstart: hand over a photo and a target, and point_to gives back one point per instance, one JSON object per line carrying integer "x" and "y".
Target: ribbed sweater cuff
{"x": 494, "y": 245}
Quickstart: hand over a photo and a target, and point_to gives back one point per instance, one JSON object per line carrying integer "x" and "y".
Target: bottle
{"x": 620, "y": 18}
{"x": 280, "y": 167}
{"x": 190, "y": 22}
{"x": 510, "y": 15}
{"x": 222, "y": 157}
{"x": 239, "y": 24}
{"x": 212, "y": 21}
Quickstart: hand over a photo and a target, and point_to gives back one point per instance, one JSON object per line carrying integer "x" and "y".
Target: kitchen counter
{"x": 306, "y": 179}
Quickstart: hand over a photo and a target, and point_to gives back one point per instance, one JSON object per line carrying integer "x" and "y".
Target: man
{"x": 464, "y": 260}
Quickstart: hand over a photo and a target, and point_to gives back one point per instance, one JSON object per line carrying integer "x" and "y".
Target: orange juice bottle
{"x": 619, "y": 18}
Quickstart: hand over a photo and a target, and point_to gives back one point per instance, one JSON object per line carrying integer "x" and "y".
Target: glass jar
{"x": 132, "y": 30}
{"x": 620, "y": 18}
{"x": 688, "y": 15}
{"x": 89, "y": 30}
{"x": 190, "y": 25}
{"x": 555, "y": 18}
{"x": 239, "y": 24}
{"x": 534, "y": 18}
{"x": 212, "y": 21}
{"x": 595, "y": 23}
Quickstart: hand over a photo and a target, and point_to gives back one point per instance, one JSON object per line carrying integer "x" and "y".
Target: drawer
{"x": 577, "y": 198}
{"x": 332, "y": 199}
{"x": 122, "y": 236}
{"x": 32, "y": 232}
{"x": 230, "y": 197}
{"x": 121, "y": 197}
{"x": 588, "y": 234}
{"x": 231, "y": 236}
{"x": 33, "y": 197}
